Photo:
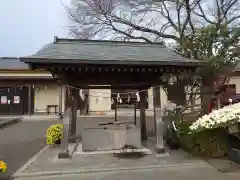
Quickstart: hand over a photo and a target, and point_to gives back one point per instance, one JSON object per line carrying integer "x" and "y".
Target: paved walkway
{"x": 19, "y": 142}
{"x": 170, "y": 166}
{"x": 168, "y": 173}
{"x": 178, "y": 165}
{"x": 5, "y": 121}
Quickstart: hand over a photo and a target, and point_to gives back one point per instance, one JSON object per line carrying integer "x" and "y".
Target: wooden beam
{"x": 21, "y": 82}
{"x": 116, "y": 68}
{"x": 121, "y": 80}
{"x": 109, "y": 87}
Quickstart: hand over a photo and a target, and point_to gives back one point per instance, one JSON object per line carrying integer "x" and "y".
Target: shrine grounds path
{"x": 19, "y": 142}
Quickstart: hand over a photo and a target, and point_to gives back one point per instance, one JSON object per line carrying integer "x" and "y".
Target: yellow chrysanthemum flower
{"x": 54, "y": 134}
{"x": 3, "y": 167}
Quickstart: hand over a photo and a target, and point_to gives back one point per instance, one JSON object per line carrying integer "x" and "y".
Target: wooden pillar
{"x": 73, "y": 124}
{"x": 67, "y": 98}
{"x": 154, "y": 107}
{"x": 192, "y": 99}
{"x": 60, "y": 101}
{"x": 143, "y": 115}
{"x": 135, "y": 114}
{"x": 115, "y": 111}
{"x": 30, "y": 100}
{"x": 218, "y": 101}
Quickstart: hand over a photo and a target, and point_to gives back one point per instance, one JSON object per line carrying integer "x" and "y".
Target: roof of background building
{"x": 12, "y": 63}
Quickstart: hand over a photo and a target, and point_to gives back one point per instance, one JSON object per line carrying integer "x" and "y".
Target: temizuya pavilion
{"x": 129, "y": 65}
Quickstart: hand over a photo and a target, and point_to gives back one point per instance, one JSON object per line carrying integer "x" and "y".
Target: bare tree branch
{"x": 149, "y": 20}
{"x": 127, "y": 34}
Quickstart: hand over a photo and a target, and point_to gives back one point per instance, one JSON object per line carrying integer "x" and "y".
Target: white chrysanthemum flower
{"x": 218, "y": 118}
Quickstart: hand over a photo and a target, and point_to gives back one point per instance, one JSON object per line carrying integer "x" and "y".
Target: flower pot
{"x": 58, "y": 141}
{"x": 171, "y": 136}
{"x": 234, "y": 155}
{"x": 233, "y": 128}
{"x": 233, "y": 144}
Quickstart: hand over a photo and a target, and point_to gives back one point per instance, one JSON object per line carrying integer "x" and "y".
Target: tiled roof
{"x": 101, "y": 51}
{"x": 12, "y": 63}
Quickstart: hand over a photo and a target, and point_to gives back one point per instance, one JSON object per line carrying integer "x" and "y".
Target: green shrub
{"x": 54, "y": 134}
{"x": 207, "y": 143}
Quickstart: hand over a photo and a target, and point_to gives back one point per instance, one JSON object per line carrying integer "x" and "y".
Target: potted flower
{"x": 233, "y": 145}
{"x": 233, "y": 127}
{"x": 3, "y": 167}
{"x": 227, "y": 118}
{"x": 54, "y": 134}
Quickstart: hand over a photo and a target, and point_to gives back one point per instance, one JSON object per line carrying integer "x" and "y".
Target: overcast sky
{"x": 26, "y": 25}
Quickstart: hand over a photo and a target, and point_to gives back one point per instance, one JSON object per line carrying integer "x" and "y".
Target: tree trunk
{"x": 176, "y": 94}
{"x": 207, "y": 92}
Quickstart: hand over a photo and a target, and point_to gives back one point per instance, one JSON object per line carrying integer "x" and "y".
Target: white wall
{"x": 46, "y": 95}
{"x": 163, "y": 97}
{"x": 96, "y": 103}
{"x": 104, "y": 104}
{"x": 235, "y": 80}
{"x": 150, "y": 98}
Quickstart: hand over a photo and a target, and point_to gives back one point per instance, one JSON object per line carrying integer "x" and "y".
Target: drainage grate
{"x": 144, "y": 151}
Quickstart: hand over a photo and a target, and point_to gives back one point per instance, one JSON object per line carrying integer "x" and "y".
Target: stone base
{"x": 160, "y": 150}
{"x": 72, "y": 140}
{"x": 103, "y": 139}
{"x": 63, "y": 155}
{"x": 144, "y": 138}
{"x": 75, "y": 138}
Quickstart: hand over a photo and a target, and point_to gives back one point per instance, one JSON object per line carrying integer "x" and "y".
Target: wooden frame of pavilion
{"x": 130, "y": 65}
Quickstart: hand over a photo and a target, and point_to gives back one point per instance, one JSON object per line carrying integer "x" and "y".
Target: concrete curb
{"x": 30, "y": 161}
{"x": 40, "y": 118}
{"x": 55, "y": 118}
{"x": 9, "y": 122}
{"x": 71, "y": 172}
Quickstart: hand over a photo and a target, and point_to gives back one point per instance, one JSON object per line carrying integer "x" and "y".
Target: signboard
{"x": 16, "y": 100}
{"x": 3, "y": 99}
